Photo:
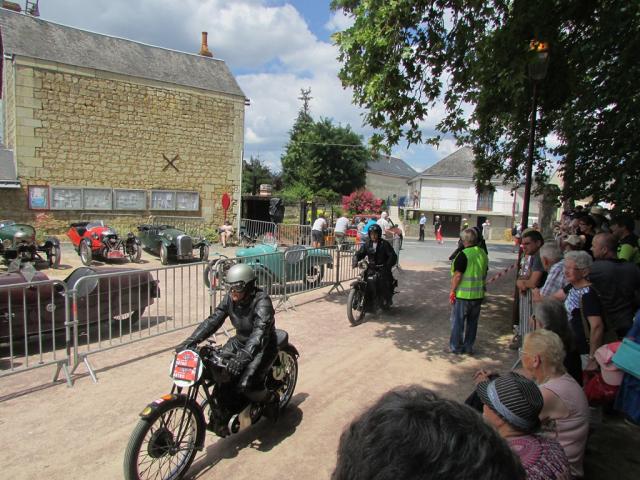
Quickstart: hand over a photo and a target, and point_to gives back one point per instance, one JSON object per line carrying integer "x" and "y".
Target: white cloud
{"x": 338, "y": 22}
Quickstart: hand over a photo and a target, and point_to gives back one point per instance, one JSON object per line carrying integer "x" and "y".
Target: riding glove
{"x": 237, "y": 364}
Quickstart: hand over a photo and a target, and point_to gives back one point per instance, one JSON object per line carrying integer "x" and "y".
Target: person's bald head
{"x": 605, "y": 245}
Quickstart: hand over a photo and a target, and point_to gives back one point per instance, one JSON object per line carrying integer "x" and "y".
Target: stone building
{"x": 387, "y": 177}
{"x": 98, "y": 126}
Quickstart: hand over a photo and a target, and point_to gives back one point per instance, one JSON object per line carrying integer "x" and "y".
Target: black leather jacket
{"x": 384, "y": 254}
{"x": 253, "y": 319}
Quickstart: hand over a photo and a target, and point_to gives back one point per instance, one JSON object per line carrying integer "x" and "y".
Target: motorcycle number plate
{"x": 115, "y": 254}
{"x": 186, "y": 368}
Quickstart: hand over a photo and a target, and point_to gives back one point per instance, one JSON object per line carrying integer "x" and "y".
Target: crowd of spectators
{"x": 584, "y": 285}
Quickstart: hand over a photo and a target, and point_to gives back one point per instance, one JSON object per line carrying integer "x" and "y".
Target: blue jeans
{"x": 464, "y": 311}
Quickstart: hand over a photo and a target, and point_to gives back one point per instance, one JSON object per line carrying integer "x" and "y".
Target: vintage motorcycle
{"x": 363, "y": 297}
{"x": 203, "y": 397}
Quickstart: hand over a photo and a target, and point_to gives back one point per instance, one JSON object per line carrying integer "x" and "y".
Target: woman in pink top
{"x": 565, "y": 412}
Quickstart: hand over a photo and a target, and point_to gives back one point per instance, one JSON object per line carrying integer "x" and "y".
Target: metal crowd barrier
{"x": 126, "y": 307}
{"x": 63, "y": 323}
{"x": 34, "y": 327}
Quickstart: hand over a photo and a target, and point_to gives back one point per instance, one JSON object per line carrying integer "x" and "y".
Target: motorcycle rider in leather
{"x": 254, "y": 347}
{"x": 380, "y": 253}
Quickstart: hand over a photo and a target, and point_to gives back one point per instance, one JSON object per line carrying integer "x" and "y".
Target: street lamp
{"x": 537, "y": 72}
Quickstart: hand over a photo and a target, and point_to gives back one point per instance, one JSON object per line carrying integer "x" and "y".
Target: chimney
{"x": 204, "y": 49}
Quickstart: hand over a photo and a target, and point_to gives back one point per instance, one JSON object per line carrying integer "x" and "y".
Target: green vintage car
{"x": 18, "y": 241}
{"x": 302, "y": 266}
{"x": 171, "y": 243}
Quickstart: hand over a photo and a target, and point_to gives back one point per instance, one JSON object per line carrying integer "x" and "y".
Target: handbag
{"x": 597, "y": 391}
{"x": 627, "y": 358}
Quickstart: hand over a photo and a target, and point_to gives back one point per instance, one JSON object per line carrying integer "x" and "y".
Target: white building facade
{"x": 447, "y": 189}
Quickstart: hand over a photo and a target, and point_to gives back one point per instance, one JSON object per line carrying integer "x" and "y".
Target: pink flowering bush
{"x": 362, "y": 201}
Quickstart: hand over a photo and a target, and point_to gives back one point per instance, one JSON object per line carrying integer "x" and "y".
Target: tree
{"x": 403, "y": 57}
{"x": 255, "y": 173}
{"x": 324, "y": 157}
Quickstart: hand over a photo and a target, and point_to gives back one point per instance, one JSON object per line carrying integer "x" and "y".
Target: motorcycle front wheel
{"x": 355, "y": 307}
{"x": 163, "y": 445}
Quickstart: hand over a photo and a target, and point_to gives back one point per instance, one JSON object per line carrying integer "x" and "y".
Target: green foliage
{"x": 295, "y": 192}
{"x": 402, "y": 57}
{"x": 326, "y": 158}
{"x": 211, "y": 234}
{"x": 254, "y": 173}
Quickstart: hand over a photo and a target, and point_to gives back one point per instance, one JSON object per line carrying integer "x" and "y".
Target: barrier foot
{"x": 285, "y": 303}
{"x": 85, "y": 360}
{"x": 337, "y": 287}
{"x": 64, "y": 367}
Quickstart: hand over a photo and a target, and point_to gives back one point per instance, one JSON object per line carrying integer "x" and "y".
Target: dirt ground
{"x": 54, "y": 432}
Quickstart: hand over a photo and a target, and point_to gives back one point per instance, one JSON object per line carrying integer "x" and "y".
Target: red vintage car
{"x": 96, "y": 239}
{"x": 31, "y": 304}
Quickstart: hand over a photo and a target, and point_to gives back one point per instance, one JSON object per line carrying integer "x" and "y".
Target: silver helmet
{"x": 240, "y": 277}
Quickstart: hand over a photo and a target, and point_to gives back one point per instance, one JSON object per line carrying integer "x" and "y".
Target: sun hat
{"x": 516, "y": 399}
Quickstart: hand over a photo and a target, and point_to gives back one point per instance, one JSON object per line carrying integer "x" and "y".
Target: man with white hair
{"x": 553, "y": 263}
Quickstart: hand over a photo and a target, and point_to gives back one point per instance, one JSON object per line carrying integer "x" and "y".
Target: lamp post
{"x": 537, "y": 72}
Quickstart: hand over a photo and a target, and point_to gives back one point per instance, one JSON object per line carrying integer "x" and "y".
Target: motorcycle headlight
{"x": 7, "y": 243}
{"x": 362, "y": 264}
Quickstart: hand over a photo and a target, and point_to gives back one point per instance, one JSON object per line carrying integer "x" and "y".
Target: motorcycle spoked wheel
{"x": 356, "y": 307}
{"x": 285, "y": 373}
{"x": 134, "y": 252}
{"x": 154, "y": 451}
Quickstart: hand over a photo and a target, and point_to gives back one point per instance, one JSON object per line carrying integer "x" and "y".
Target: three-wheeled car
{"x": 97, "y": 239}
{"x": 296, "y": 263}
{"x": 18, "y": 241}
{"x": 30, "y": 304}
{"x": 171, "y": 243}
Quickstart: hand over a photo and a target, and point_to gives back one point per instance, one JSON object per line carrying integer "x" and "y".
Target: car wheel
{"x": 136, "y": 252}
{"x": 164, "y": 254}
{"x": 204, "y": 253}
{"x": 314, "y": 275}
{"x": 85, "y": 253}
{"x": 53, "y": 256}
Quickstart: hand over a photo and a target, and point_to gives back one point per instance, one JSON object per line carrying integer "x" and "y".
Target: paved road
{"x": 61, "y": 433}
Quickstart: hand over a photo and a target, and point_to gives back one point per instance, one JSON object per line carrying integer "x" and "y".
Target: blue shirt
{"x": 371, "y": 221}
{"x": 423, "y": 220}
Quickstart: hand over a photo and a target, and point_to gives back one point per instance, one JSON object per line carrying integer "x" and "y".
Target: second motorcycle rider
{"x": 380, "y": 253}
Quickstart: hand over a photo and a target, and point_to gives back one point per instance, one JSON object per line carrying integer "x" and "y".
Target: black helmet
{"x": 375, "y": 228}
{"x": 240, "y": 277}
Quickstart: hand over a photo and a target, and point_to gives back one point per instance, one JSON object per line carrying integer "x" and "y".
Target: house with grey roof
{"x": 387, "y": 177}
{"x": 95, "y": 124}
{"x": 447, "y": 189}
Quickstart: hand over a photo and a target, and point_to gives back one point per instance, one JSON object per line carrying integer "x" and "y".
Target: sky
{"x": 273, "y": 47}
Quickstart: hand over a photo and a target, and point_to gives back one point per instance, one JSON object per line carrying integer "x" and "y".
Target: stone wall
{"x": 87, "y": 128}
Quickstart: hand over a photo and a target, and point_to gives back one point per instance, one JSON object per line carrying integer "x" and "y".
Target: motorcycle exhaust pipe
{"x": 240, "y": 421}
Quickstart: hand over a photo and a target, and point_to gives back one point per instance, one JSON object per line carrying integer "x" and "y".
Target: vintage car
{"x": 296, "y": 263}
{"x": 172, "y": 243}
{"x": 96, "y": 239}
{"x": 18, "y": 241}
{"x": 35, "y": 305}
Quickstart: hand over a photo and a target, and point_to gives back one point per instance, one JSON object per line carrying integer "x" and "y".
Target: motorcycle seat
{"x": 282, "y": 338}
